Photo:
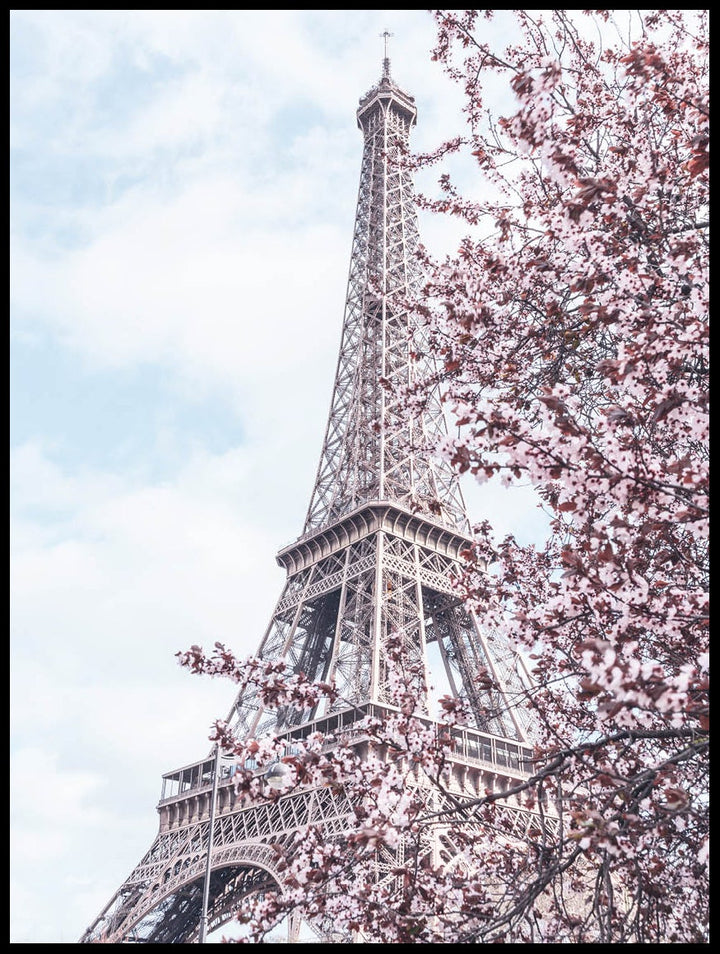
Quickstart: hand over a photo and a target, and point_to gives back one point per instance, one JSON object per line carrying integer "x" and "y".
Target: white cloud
{"x": 200, "y": 226}
{"x": 145, "y": 568}
{"x": 101, "y": 602}
{"x": 193, "y": 283}
{"x": 185, "y": 111}
{"x": 45, "y": 793}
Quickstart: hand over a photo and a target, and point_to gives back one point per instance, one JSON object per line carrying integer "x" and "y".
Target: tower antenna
{"x": 386, "y": 60}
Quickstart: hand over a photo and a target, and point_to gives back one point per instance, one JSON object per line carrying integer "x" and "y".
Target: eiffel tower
{"x": 383, "y": 537}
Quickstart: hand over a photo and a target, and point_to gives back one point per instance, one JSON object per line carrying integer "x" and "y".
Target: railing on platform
{"x": 470, "y": 745}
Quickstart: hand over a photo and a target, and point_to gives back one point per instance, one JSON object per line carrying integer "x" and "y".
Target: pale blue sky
{"x": 183, "y": 189}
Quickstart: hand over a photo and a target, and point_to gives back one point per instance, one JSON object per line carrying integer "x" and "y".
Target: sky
{"x": 183, "y": 188}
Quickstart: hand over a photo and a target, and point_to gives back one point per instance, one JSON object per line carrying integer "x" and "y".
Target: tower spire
{"x": 386, "y": 60}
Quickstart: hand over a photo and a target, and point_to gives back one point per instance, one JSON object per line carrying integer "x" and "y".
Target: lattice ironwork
{"x": 380, "y": 547}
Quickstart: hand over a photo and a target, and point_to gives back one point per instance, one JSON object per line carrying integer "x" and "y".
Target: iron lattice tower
{"x": 382, "y": 540}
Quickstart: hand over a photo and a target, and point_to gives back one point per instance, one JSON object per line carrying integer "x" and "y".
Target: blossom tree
{"x": 571, "y": 331}
{"x": 573, "y": 338}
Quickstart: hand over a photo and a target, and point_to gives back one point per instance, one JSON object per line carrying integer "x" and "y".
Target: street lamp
{"x": 211, "y": 832}
{"x": 276, "y": 776}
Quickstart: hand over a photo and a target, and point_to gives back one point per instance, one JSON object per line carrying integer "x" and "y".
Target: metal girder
{"x": 159, "y": 902}
{"x": 333, "y": 616}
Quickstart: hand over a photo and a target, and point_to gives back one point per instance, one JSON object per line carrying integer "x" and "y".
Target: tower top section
{"x": 372, "y": 453}
{"x": 386, "y": 96}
